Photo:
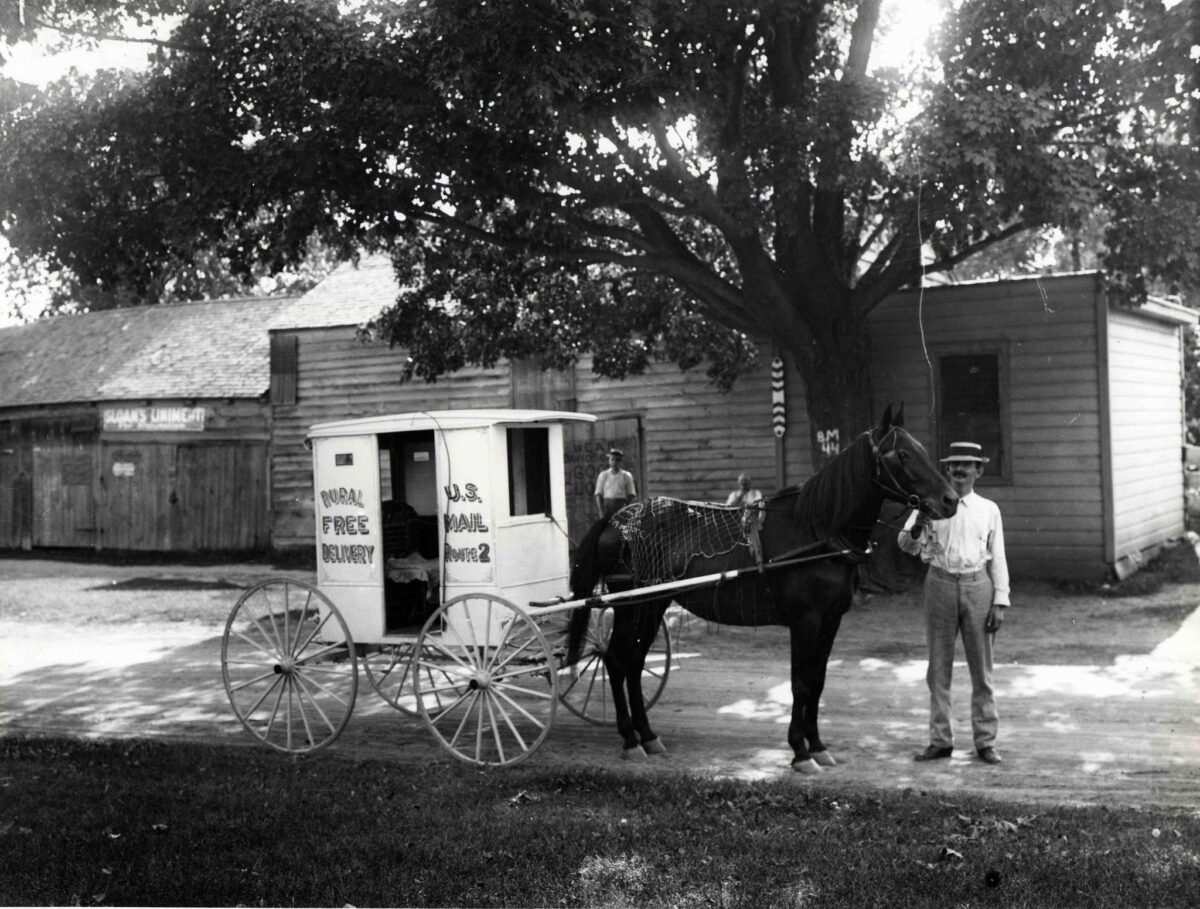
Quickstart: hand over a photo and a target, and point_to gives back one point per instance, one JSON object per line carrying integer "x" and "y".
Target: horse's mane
{"x": 830, "y": 497}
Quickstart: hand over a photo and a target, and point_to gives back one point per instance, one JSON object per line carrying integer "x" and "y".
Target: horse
{"x": 812, "y": 540}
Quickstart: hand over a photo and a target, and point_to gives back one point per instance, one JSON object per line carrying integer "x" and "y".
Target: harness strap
{"x": 891, "y": 487}
{"x": 799, "y": 550}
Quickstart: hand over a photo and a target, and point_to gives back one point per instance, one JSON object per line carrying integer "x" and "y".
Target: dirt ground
{"x": 1098, "y": 693}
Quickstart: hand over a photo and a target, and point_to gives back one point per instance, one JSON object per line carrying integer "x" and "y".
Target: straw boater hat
{"x": 965, "y": 451}
{"x": 616, "y": 452}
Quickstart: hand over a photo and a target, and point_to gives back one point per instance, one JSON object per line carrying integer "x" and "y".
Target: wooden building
{"x": 183, "y": 427}
{"x": 138, "y": 429}
{"x": 681, "y": 436}
{"x": 1078, "y": 402}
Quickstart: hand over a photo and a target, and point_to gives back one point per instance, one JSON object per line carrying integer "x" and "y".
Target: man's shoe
{"x": 934, "y": 753}
{"x": 988, "y": 755}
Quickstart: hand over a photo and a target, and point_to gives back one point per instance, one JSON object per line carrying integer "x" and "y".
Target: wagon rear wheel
{"x": 584, "y": 688}
{"x": 485, "y": 664}
{"x": 289, "y": 667}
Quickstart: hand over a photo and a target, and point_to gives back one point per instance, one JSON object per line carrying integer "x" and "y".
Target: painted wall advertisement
{"x": 467, "y": 507}
{"x": 153, "y": 419}
{"x": 348, "y": 540}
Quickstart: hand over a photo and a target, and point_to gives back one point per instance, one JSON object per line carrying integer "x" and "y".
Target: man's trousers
{"x": 954, "y": 605}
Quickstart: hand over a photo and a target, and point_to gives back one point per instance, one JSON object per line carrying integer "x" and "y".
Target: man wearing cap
{"x": 614, "y": 486}
{"x": 967, "y": 591}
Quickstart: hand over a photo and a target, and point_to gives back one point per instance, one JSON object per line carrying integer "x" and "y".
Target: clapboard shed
{"x": 1077, "y": 400}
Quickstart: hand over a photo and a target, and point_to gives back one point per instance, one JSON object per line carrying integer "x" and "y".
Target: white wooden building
{"x": 1079, "y": 403}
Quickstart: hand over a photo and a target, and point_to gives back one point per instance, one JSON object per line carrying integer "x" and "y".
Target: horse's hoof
{"x": 824, "y": 758}
{"x": 808, "y": 767}
{"x": 636, "y": 753}
{"x": 654, "y": 746}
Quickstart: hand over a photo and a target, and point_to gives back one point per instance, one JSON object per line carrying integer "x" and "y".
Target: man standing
{"x": 614, "y": 487}
{"x": 746, "y": 496}
{"x": 967, "y": 591}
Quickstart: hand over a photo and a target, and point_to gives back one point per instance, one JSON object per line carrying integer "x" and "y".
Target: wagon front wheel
{"x": 484, "y": 681}
{"x": 289, "y": 666}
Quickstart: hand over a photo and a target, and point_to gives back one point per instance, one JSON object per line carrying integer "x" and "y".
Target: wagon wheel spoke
{"x": 389, "y": 670}
{"x": 289, "y": 667}
{"x": 578, "y": 692}
{"x": 491, "y": 661}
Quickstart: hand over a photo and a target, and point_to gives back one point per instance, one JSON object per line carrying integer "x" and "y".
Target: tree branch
{"x": 126, "y": 39}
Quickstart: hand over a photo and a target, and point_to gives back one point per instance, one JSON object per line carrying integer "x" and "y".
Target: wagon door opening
{"x": 408, "y": 488}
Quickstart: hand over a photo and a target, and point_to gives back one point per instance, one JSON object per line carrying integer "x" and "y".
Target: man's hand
{"x": 919, "y": 525}
{"x": 995, "y": 618}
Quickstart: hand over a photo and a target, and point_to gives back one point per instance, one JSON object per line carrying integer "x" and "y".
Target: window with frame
{"x": 529, "y": 471}
{"x": 973, "y": 406}
{"x": 285, "y": 364}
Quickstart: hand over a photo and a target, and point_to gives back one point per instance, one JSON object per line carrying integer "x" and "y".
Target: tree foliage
{"x": 632, "y": 178}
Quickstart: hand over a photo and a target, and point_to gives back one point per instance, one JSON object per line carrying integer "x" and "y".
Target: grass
{"x": 96, "y": 823}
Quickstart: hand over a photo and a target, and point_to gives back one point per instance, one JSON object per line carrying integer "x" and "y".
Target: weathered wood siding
{"x": 145, "y": 491}
{"x": 340, "y": 378}
{"x": 1146, "y": 405}
{"x": 1047, "y": 330}
{"x": 696, "y": 439}
{"x": 43, "y": 459}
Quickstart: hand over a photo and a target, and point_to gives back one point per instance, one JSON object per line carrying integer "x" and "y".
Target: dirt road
{"x": 1098, "y": 707}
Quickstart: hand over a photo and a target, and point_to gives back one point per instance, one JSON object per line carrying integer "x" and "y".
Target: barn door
{"x": 62, "y": 499}
{"x": 585, "y": 449}
{"x": 136, "y": 482}
{"x": 219, "y": 497}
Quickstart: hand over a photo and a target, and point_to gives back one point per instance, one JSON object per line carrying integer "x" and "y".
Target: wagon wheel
{"x": 584, "y": 689}
{"x": 390, "y": 669}
{"x": 485, "y": 664}
{"x": 289, "y": 667}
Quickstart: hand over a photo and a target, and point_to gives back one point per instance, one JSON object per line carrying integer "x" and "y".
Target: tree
{"x": 626, "y": 177}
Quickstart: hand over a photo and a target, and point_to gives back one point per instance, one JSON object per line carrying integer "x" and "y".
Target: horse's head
{"x": 905, "y": 471}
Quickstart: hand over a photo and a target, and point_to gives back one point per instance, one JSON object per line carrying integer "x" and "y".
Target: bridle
{"x": 885, "y": 479}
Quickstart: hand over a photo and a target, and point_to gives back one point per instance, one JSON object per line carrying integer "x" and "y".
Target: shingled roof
{"x": 350, "y": 295}
{"x": 212, "y": 349}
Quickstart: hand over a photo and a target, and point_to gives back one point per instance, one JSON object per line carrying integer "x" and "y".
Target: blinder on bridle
{"x": 885, "y": 479}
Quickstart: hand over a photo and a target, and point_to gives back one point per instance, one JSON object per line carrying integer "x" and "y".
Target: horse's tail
{"x": 585, "y": 574}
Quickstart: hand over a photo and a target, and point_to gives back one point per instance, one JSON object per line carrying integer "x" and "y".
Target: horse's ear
{"x": 898, "y": 419}
{"x": 886, "y": 423}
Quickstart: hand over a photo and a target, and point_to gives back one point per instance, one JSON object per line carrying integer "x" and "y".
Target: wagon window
{"x": 529, "y": 471}
{"x": 972, "y": 406}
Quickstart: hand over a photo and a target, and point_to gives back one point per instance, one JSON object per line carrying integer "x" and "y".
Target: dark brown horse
{"x": 813, "y": 538}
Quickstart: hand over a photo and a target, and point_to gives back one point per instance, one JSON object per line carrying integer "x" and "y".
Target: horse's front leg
{"x": 619, "y": 661}
{"x": 647, "y": 620}
{"x": 804, "y": 640}
{"x": 812, "y": 734}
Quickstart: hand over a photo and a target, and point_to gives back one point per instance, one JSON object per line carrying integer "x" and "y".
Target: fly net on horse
{"x": 663, "y": 536}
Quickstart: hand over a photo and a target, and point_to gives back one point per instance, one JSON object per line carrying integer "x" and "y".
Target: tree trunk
{"x": 837, "y": 378}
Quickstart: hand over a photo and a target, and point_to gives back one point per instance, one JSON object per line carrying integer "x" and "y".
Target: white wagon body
{"x": 488, "y": 509}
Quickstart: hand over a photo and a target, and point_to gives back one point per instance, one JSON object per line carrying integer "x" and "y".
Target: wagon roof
{"x": 442, "y": 420}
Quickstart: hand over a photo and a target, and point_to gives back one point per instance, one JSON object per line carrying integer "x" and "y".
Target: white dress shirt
{"x": 967, "y": 542}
